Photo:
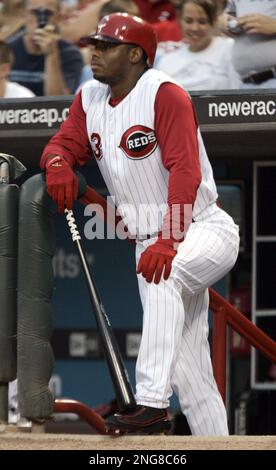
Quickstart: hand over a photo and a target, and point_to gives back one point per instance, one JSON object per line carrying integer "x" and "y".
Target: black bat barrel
{"x": 122, "y": 387}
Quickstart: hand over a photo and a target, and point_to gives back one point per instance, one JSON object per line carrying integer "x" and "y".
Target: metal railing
{"x": 225, "y": 313}
{"x": 89, "y": 415}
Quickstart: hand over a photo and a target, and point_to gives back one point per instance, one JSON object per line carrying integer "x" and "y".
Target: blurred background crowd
{"x": 202, "y": 44}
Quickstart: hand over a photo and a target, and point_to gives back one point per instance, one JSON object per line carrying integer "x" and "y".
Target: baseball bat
{"x": 122, "y": 387}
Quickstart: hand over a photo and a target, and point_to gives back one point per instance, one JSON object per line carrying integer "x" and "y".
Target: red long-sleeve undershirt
{"x": 176, "y": 132}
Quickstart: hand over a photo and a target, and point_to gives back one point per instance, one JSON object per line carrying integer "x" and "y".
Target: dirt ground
{"x": 30, "y": 441}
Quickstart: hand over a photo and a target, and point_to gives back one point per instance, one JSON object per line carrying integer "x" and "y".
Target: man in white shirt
{"x": 10, "y": 89}
{"x": 254, "y": 30}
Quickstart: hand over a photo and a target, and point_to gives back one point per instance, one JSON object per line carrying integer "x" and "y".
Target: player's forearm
{"x": 73, "y": 150}
{"x": 54, "y": 83}
{"x": 182, "y": 193}
{"x": 51, "y": 150}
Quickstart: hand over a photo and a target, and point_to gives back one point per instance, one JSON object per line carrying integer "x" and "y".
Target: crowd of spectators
{"x": 203, "y": 44}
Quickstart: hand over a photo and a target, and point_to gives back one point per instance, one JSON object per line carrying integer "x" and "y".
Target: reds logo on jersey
{"x": 96, "y": 145}
{"x": 138, "y": 142}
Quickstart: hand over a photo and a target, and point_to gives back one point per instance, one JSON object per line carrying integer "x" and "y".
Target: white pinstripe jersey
{"x": 137, "y": 179}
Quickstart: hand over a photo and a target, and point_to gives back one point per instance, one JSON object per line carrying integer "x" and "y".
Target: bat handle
{"x": 76, "y": 238}
{"x": 72, "y": 225}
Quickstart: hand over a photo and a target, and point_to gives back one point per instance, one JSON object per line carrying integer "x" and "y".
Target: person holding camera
{"x": 44, "y": 62}
{"x": 253, "y": 25}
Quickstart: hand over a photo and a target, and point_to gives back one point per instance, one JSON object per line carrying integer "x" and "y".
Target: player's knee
{"x": 185, "y": 283}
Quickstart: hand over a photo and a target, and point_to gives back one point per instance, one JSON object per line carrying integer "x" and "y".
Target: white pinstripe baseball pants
{"x": 174, "y": 353}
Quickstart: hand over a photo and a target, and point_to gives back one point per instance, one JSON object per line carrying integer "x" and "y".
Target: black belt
{"x": 260, "y": 77}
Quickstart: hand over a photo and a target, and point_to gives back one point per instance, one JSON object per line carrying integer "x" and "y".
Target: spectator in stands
{"x": 43, "y": 62}
{"x": 203, "y": 61}
{"x": 11, "y": 19}
{"x": 10, "y": 89}
{"x": 253, "y": 25}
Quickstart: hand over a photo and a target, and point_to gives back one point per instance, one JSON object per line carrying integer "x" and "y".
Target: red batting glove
{"x": 156, "y": 259}
{"x": 61, "y": 183}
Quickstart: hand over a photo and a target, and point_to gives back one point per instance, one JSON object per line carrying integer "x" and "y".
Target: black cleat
{"x": 141, "y": 420}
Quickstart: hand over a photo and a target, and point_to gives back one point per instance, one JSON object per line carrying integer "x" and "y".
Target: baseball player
{"x": 142, "y": 130}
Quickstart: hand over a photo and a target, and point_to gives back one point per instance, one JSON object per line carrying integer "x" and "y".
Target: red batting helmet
{"x": 127, "y": 29}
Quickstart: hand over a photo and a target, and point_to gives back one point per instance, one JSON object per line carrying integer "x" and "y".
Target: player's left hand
{"x": 156, "y": 259}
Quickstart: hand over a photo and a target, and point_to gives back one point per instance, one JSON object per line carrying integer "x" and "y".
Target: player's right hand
{"x": 61, "y": 182}
{"x": 156, "y": 259}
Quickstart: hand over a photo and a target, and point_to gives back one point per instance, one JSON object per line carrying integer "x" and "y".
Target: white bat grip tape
{"x": 72, "y": 225}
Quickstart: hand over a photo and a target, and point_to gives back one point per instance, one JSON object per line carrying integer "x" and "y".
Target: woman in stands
{"x": 202, "y": 61}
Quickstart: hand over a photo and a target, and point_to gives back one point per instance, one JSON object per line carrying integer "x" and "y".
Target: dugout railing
{"x": 225, "y": 314}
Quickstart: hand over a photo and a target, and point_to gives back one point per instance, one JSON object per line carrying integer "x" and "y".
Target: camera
{"x": 233, "y": 26}
{"x": 43, "y": 15}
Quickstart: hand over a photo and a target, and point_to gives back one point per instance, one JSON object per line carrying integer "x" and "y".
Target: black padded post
{"x": 35, "y": 286}
{"x": 8, "y": 286}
